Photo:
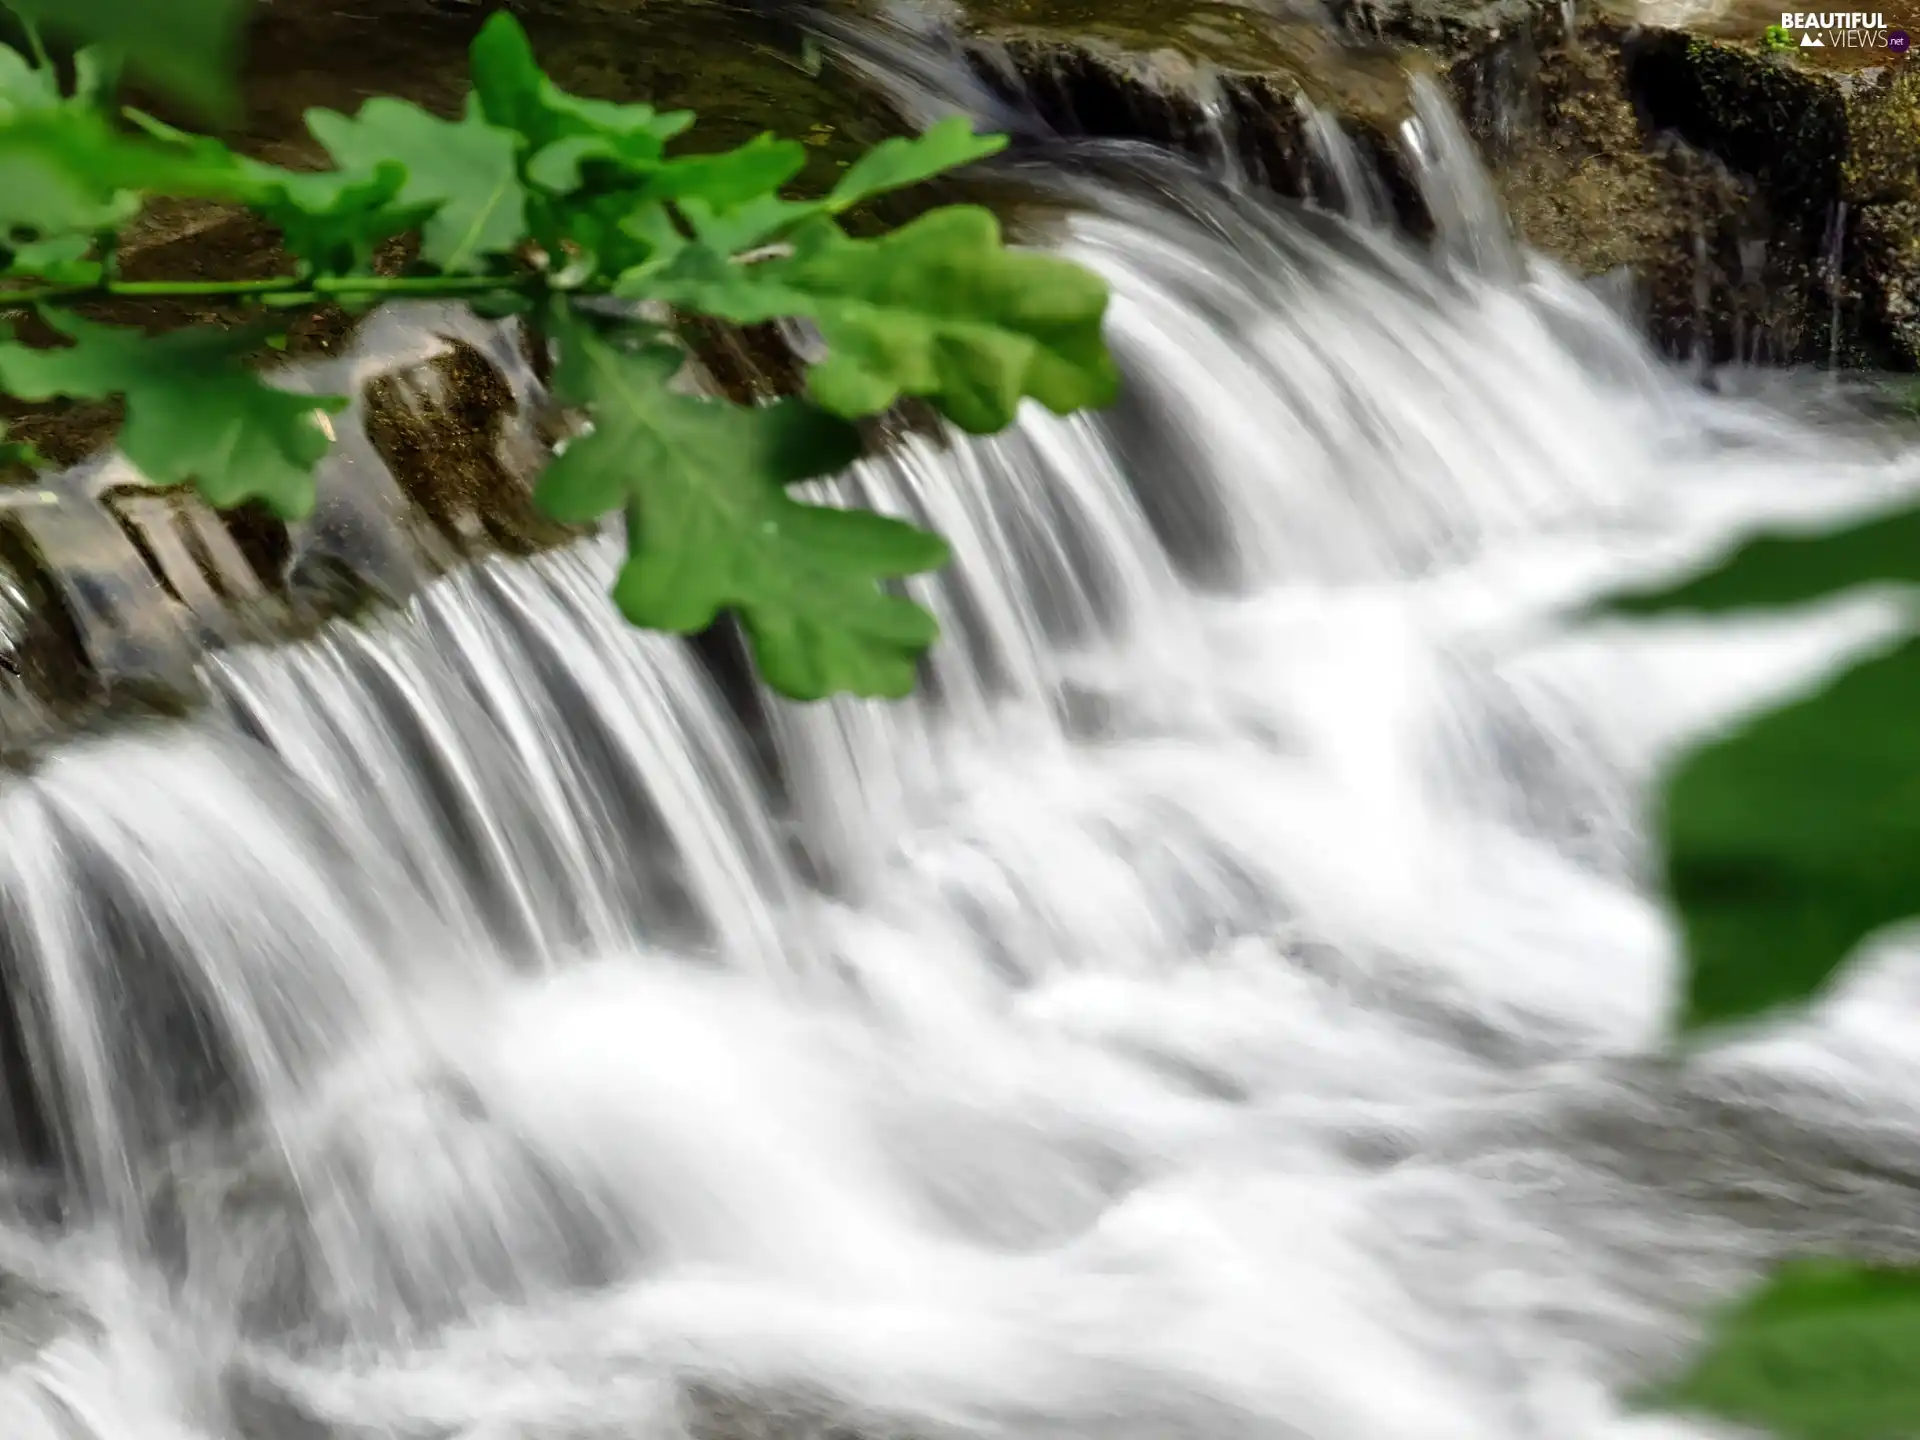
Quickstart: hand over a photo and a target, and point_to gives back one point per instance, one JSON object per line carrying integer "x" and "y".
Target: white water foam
{"x": 1227, "y": 1002}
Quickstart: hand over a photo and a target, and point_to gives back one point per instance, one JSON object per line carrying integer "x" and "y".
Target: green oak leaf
{"x": 334, "y": 221}
{"x": 1823, "y": 1351}
{"x": 561, "y": 131}
{"x": 61, "y": 260}
{"x": 939, "y": 309}
{"x": 711, "y": 526}
{"x": 653, "y": 227}
{"x": 610, "y": 233}
{"x": 729, "y": 178}
{"x": 897, "y": 163}
{"x": 1792, "y": 839}
{"x": 722, "y": 180}
{"x": 188, "y": 48}
{"x": 591, "y": 234}
{"x": 194, "y": 411}
{"x": 891, "y": 165}
{"x": 466, "y": 172}
{"x": 65, "y": 171}
{"x": 331, "y": 220}
{"x": 1774, "y": 570}
{"x": 561, "y": 167}
{"x": 759, "y": 220}
{"x": 25, "y": 86}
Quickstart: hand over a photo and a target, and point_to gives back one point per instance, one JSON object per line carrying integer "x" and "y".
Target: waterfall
{"x": 1217, "y": 1003}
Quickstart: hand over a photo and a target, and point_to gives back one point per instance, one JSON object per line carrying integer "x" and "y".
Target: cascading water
{"x": 1215, "y": 1006}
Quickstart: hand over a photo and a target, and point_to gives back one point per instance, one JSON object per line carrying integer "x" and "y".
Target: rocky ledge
{"x": 111, "y": 591}
{"x": 1768, "y": 205}
{"x": 1768, "y": 209}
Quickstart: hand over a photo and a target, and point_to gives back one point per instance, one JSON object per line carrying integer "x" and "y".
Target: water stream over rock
{"x": 1221, "y": 1003}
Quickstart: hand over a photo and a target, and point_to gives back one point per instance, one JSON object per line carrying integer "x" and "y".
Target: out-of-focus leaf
{"x": 18, "y": 452}
{"x": 1823, "y": 1351}
{"x": 65, "y": 172}
{"x": 188, "y": 48}
{"x": 63, "y": 260}
{"x": 465, "y": 172}
{"x": 562, "y": 132}
{"x": 194, "y": 411}
{"x": 1775, "y": 570}
{"x": 25, "y": 86}
{"x": 1792, "y": 839}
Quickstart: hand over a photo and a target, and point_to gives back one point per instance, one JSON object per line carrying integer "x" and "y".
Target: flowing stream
{"x": 1227, "y": 1001}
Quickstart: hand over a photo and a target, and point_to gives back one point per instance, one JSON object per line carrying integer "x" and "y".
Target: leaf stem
{"x": 284, "y": 288}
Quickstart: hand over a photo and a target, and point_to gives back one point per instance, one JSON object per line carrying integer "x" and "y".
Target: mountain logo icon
{"x": 1812, "y": 42}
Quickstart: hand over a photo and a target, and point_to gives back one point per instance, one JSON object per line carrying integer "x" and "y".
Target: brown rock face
{"x": 1757, "y": 199}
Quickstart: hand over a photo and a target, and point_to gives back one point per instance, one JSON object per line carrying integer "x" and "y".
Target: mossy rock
{"x": 1704, "y": 163}
{"x": 1829, "y": 152}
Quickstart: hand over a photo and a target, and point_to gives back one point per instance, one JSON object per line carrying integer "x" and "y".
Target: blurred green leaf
{"x": 331, "y": 220}
{"x": 194, "y": 411}
{"x": 728, "y": 178}
{"x": 63, "y": 260}
{"x": 188, "y": 48}
{"x": 25, "y": 86}
{"x": 939, "y": 309}
{"x": 562, "y": 132}
{"x": 610, "y": 233}
{"x": 711, "y": 526}
{"x": 96, "y": 75}
{"x": 464, "y": 175}
{"x": 898, "y": 163}
{"x": 1774, "y": 570}
{"x": 747, "y": 225}
{"x": 1823, "y": 1351}
{"x": 1794, "y": 838}
{"x": 65, "y": 172}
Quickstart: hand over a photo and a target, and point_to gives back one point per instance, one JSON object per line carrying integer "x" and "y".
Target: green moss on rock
{"x": 1882, "y": 160}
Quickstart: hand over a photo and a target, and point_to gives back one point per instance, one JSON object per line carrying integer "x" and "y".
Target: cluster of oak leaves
{"x": 1788, "y": 841}
{"x": 571, "y": 212}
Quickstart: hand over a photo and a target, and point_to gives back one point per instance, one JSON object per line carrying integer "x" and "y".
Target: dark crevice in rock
{"x": 1772, "y": 123}
{"x": 1258, "y": 120}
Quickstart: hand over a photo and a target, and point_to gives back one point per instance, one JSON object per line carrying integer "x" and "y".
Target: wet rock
{"x": 109, "y": 591}
{"x": 1886, "y": 244}
{"x": 1454, "y": 27}
{"x": 1763, "y": 204}
{"x": 1222, "y": 81}
{"x": 463, "y": 443}
{"x": 1829, "y": 156}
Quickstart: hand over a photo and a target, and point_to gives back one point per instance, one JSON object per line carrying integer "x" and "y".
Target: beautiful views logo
{"x": 1836, "y": 30}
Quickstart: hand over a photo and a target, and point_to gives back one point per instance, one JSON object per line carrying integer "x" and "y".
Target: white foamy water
{"x": 1226, "y": 1002}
